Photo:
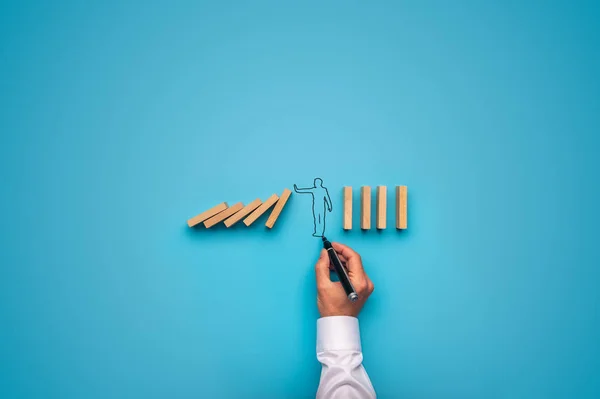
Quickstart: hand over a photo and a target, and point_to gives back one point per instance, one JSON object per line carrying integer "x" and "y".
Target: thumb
{"x": 322, "y": 269}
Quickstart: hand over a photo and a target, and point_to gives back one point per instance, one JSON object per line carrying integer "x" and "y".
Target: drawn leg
{"x": 314, "y": 222}
{"x": 323, "y": 221}
{"x": 319, "y": 225}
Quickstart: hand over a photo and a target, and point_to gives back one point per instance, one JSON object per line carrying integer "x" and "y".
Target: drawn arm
{"x": 328, "y": 200}
{"x": 302, "y": 190}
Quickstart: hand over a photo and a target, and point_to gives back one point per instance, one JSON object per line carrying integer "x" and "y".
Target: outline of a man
{"x": 319, "y": 193}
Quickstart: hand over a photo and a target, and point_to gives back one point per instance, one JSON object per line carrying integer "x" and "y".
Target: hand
{"x": 331, "y": 297}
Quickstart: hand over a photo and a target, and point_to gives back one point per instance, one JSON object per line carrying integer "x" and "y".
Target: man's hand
{"x": 331, "y": 297}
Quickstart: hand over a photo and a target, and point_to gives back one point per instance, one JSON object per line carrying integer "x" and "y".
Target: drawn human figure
{"x": 321, "y": 203}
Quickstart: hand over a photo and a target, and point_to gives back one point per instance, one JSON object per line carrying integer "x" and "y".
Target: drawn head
{"x": 318, "y": 182}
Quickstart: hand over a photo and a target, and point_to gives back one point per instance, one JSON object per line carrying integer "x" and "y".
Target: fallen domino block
{"x": 241, "y": 214}
{"x": 278, "y": 208}
{"x": 207, "y": 214}
{"x": 219, "y": 217}
{"x": 261, "y": 209}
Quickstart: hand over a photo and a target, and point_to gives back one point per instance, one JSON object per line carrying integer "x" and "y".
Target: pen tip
{"x": 324, "y": 238}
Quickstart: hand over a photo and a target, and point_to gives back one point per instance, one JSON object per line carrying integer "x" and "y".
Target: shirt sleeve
{"x": 340, "y": 354}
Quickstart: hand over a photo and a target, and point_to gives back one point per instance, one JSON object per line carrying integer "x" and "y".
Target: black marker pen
{"x": 340, "y": 270}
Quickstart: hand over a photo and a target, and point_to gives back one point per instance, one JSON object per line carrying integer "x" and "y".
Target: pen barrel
{"x": 343, "y": 276}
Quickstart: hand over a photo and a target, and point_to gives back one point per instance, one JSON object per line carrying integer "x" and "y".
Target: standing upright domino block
{"x": 365, "y": 207}
{"x": 347, "y": 208}
{"x": 219, "y": 217}
{"x": 278, "y": 208}
{"x": 401, "y": 207}
{"x": 261, "y": 209}
{"x": 207, "y": 214}
{"x": 381, "y": 206}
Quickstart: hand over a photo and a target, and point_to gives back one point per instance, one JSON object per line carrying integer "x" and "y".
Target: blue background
{"x": 120, "y": 120}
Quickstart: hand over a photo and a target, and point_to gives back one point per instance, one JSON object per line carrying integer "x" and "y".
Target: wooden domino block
{"x": 278, "y": 208}
{"x": 241, "y": 214}
{"x": 219, "y": 217}
{"x": 401, "y": 207}
{"x": 347, "y": 208}
{"x": 381, "y": 206}
{"x": 261, "y": 209}
{"x": 207, "y": 214}
{"x": 365, "y": 207}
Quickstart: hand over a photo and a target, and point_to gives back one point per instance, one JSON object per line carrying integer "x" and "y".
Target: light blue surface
{"x": 120, "y": 121}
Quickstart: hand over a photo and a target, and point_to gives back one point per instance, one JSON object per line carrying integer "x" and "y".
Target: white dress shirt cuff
{"x": 337, "y": 333}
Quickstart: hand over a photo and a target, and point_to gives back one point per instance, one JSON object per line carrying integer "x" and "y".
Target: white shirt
{"x": 338, "y": 349}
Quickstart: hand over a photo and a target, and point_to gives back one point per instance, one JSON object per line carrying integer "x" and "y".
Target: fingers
{"x": 350, "y": 257}
{"x": 362, "y": 283}
{"x": 322, "y": 269}
{"x": 344, "y": 261}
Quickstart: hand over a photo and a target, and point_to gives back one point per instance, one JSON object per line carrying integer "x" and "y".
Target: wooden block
{"x": 207, "y": 214}
{"x": 381, "y": 206}
{"x": 219, "y": 217}
{"x": 261, "y": 209}
{"x": 278, "y": 208}
{"x": 365, "y": 207}
{"x": 240, "y": 215}
{"x": 401, "y": 207}
{"x": 347, "y": 208}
